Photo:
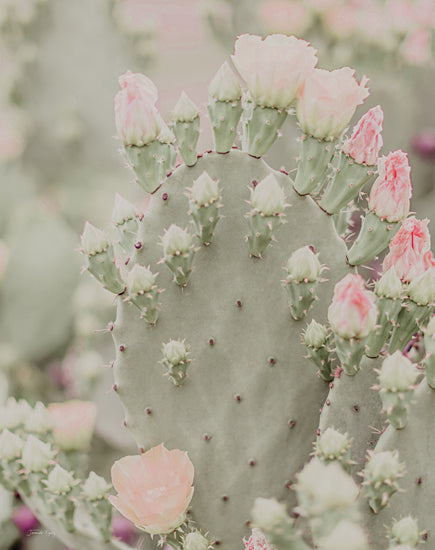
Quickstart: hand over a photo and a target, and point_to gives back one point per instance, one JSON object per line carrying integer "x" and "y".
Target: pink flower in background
{"x": 136, "y": 118}
{"x": 423, "y": 143}
{"x": 353, "y": 312}
{"x": 327, "y": 101}
{"x": 285, "y": 16}
{"x": 154, "y": 489}
{"x": 416, "y": 49}
{"x": 402, "y": 15}
{"x": 341, "y": 21}
{"x": 410, "y": 249}
{"x": 366, "y": 140}
{"x": 275, "y": 68}
{"x": 257, "y": 541}
{"x": 391, "y": 193}
{"x": 73, "y": 424}
{"x": 24, "y": 519}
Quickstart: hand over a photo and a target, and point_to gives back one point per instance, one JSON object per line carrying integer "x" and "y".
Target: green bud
{"x": 315, "y": 335}
{"x": 96, "y": 487}
{"x": 225, "y": 85}
{"x": 268, "y": 514}
{"x": 176, "y": 241}
{"x": 59, "y": 481}
{"x": 123, "y": 210}
{"x": 93, "y": 240}
{"x": 204, "y": 190}
{"x": 195, "y": 541}
{"x": 39, "y": 421}
{"x": 345, "y": 536}
{"x": 421, "y": 290}
{"x": 332, "y": 445}
{"x": 140, "y": 280}
{"x": 11, "y": 446}
{"x": 185, "y": 110}
{"x": 384, "y": 466}
{"x": 175, "y": 352}
{"x": 268, "y": 197}
{"x": 405, "y": 531}
{"x": 36, "y": 455}
{"x": 397, "y": 373}
{"x": 303, "y": 265}
{"x": 14, "y": 413}
{"x": 389, "y": 285}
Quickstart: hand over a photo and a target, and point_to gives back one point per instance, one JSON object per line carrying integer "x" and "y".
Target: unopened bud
{"x": 59, "y": 480}
{"x": 175, "y": 352}
{"x": 389, "y": 285}
{"x": 315, "y": 335}
{"x": 397, "y": 373}
{"x": 123, "y": 210}
{"x": 304, "y": 265}
{"x": 96, "y": 487}
{"x": 195, "y": 541}
{"x": 93, "y": 240}
{"x": 36, "y": 454}
{"x": 345, "y": 536}
{"x": 383, "y": 466}
{"x": 39, "y": 421}
{"x": 268, "y": 197}
{"x": 140, "y": 280}
{"x": 405, "y": 531}
{"x": 421, "y": 289}
{"x": 204, "y": 190}
{"x": 268, "y": 514}
{"x": 332, "y": 445}
{"x": 225, "y": 85}
{"x": 11, "y": 446}
{"x": 176, "y": 241}
{"x": 185, "y": 110}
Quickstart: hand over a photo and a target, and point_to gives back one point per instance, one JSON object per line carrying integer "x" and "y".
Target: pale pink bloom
{"x": 273, "y": 68}
{"x": 154, "y": 489}
{"x": 416, "y": 49}
{"x": 410, "y": 249}
{"x": 391, "y": 193}
{"x": 366, "y": 139}
{"x": 285, "y": 16}
{"x": 73, "y": 424}
{"x": 402, "y": 15}
{"x": 374, "y": 26}
{"x": 341, "y": 21}
{"x": 257, "y": 541}
{"x": 136, "y": 118}
{"x": 327, "y": 101}
{"x": 425, "y": 13}
{"x": 353, "y": 312}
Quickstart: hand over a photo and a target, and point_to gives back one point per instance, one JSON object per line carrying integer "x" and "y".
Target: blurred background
{"x": 60, "y": 163}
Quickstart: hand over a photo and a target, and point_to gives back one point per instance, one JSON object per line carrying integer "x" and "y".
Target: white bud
{"x": 175, "y": 351}
{"x": 165, "y": 136}
{"x": 332, "y": 444}
{"x": 14, "y": 413}
{"x": 11, "y": 445}
{"x": 140, "y": 280}
{"x": 268, "y": 514}
{"x": 59, "y": 480}
{"x": 93, "y": 240}
{"x": 39, "y": 420}
{"x": 389, "y": 285}
{"x": 345, "y": 536}
{"x": 225, "y": 86}
{"x": 383, "y": 466}
{"x": 268, "y": 197}
{"x": 96, "y": 487}
{"x": 405, "y": 531}
{"x": 315, "y": 335}
{"x": 421, "y": 289}
{"x": 304, "y": 264}
{"x": 185, "y": 110}
{"x": 195, "y": 541}
{"x": 397, "y": 373}
{"x": 36, "y": 454}
{"x": 176, "y": 241}
{"x": 205, "y": 190}
{"x": 123, "y": 210}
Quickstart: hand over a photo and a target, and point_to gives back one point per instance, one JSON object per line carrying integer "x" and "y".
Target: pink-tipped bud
{"x": 353, "y": 312}
{"x": 391, "y": 193}
{"x": 366, "y": 139}
{"x": 410, "y": 250}
{"x": 257, "y": 541}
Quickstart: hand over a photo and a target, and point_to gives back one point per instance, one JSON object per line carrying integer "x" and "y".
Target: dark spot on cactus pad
{"x": 419, "y": 481}
{"x": 327, "y": 402}
{"x": 239, "y": 303}
{"x": 225, "y": 498}
{"x": 254, "y": 183}
{"x": 217, "y": 542}
{"x": 272, "y": 360}
{"x": 291, "y": 424}
{"x": 165, "y": 196}
{"x": 111, "y": 326}
{"x": 331, "y": 385}
{"x": 211, "y": 342}
{"x": 121, "y": 348}
{"x": 425, "y": 536}
{"x": 115, "y": 387}
{"x": 318, "y": 432}
{"x": 252, "y": 462}
{"x": 313, "y": 250}
{"x": 238, "y": 398}
{"x": 207, "y": 437}
{"x": 124, "y": 423}
{"x": 138, "y": 245}
{"x": 283, "y": 171}
{"x": 288, "y": 484}
{"x": 248, "y": 524}
{"x": 356, "y": 408}
{"x": 142, "y": 450}
{"x": 148, "y": 410}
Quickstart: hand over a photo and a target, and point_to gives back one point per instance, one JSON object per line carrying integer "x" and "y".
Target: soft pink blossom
{"x": 353, "y": 312}
{"x": 366, "y": 139}
{"x": 327, "y": 101}
{"x": 154, "y": 489}
{"x": 257, "y": 541}
{"x": 341, "y": 21}
{"x": 410, "y": 249}
{"x": 273, "y": 68}
{"x": 285, "y": 16}
{"x": 391, "y": 193}
{"x": 136, "y": 118}
{"x": 73, "y": 424}
{"x": 416, "y": 48}
{"x": 402, "y": 15}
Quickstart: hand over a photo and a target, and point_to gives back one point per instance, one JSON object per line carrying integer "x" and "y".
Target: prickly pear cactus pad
{"x": 244, "y": 346}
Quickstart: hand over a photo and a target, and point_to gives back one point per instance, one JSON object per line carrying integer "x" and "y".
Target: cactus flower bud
{"x": 353, "y": 312}
{"x": 274, "y": 68}
{"x": 175, "y": 352}
{"x": 205, "y": 190}
{"x": 93, "y": 240}
{"x": 73, "y": 424}
{"x": 225, "y": 86}
{"x": 60, "y": 481}
{"x": 421, "y": 289}
{"x": 39, "y": 420}
{"x": 346, "y": 535}
{"x": 397, "y": 373}
{"x": 96, "y": 487}
{"x": 366, "y": 139}
{"x": 176, "y": 241}
{"x": 389, "y": 285}
{"x": 315, "y": 335}
{"x": 123, "y": 210}
{"x": 257, "y": 541}
{"x": 36, "y": 455}
{"x": 327, "y": 102}
{"x": 268, "y": 514}
{"x": 11, "y": 446}
{"x": 14, "y": 413}
{"x": 405, "y": 531}
{"x": 332, "y": 445}
{"x": 304, "y": 265}
{"x": 185, "y": 110}
{"x": 166, "y": 135}
{"x": 195, "y": 541}
{"x": 140, "y": 280}
{"x": 383, "y": 466}
{"x": 138, "y": 80}
{"x": 268, "y": 197}
{"x": 391, "y": 193}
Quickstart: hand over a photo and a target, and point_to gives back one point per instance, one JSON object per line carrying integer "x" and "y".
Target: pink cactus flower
{"x": 273, "y": 68}
{"x": 416, "y": 48}
{"x": 257, "y": 541}
{"x": 73, "y": 424}
{"x": 285, "y": 16}
{"x": 136, "y": 118}
{"x": 123, "y": 530}
{"x": 366, "y": 139}
{"x": 353, "y": 312}
{"x": 391, "y": 193}
{"x": 154, "y": 489}
{"x": 24, "y": 519}
{"x": 327, "y": 102}
{"x": 423, "y": 143}
{"x": 410, "y": 250}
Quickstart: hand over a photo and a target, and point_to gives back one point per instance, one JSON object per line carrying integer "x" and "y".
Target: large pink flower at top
{"x": 327, "y": 101}
{"x": 353, "y": 312}
{"x": 154, "y": 489}
{"x": 410, "y": 250}
{"x": 73, "y": 424}
{"x": 366, "y": 139}
{"x": 273, "y": 68}
{"x": 391, "y": 193}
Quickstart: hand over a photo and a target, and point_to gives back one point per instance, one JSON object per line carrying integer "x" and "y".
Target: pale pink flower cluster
{"x": 274, "y": 68}
{"x": 366, "y": 139}
{"x": 353, "y": 312}
{"x": 391, "y": 193}
{"x": 154, "y": 489}
{"x": 73, "y": 424}
{"x": 257, "y": 541}
{"x": 136, "y": 117}
{"x": 328, "y": 100}
{"x": 410, "y": 250}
